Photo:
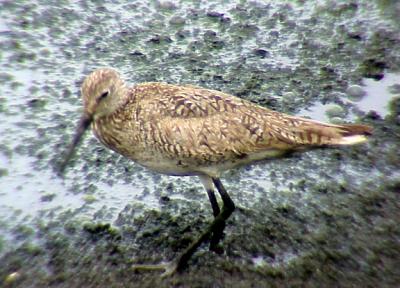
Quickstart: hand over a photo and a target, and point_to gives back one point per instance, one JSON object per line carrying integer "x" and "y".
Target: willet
{"x": 191, "y": 131}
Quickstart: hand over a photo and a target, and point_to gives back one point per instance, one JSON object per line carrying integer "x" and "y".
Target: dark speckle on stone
{"x": 158, "y": 39}
{"x": 66, "y": 93}
{"x": 355, "y": 36}
{"x": 214, "y": 14}
{"x": 274, "y": 33}
{"x": 48, "y": 197}
{"x": 36, "y": 103}
{"x": 210, "y": 35}
{"x": 182, "y": 34}
{"x": 374, "y": 68}
{"x": 373, "y": 115}
{"x": 136, "y": 54}
{"x": 261, "y": 52}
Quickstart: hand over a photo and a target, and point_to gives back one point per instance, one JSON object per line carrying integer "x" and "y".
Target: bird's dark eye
{"x": 104, "y": 95}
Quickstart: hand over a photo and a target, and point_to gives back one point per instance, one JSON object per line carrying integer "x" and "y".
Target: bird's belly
{"x": 190, "y": 167}
{"x": 169, "y": 167}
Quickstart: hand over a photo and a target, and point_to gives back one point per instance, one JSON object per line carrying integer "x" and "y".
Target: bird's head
{"x": 102, "y": 92}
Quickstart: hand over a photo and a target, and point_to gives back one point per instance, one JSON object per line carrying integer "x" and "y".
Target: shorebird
{"x": 191, "y": 131}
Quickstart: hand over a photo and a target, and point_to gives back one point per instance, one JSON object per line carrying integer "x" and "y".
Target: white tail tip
{"x": 351, "y": 140}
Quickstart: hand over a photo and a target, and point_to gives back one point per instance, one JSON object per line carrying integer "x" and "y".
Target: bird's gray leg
{"x": 209, "y": 186}
{"x": 229, "y": 206}
{"x": 217, "y": 235}
{"x": 215, "y": 227}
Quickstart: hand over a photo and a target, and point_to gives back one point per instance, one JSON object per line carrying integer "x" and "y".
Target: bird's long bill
{"x": 84, "y": 123}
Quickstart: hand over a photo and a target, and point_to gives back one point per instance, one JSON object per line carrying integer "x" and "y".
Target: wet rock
{"x": 394, "y": 89}
{"x": 334, "y": 110}
{"x": 394, "y": 108}
{"x": 168, "y": 5}
{"x": 373, "y": 68}
{"x": 11, "y": 279}
{"x": 355, "y": 92}
{"x": 177, "y": 20}
{"x": 5, "y": 77}
{"x": 100, "y": 230}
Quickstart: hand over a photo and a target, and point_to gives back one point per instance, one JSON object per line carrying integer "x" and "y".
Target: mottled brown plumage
{"x": 188, "y": 130}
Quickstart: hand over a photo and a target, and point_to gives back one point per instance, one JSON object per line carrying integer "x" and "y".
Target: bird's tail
{"x": 331, "y": 134}
{"x": 310, "y": 132}
{"x": 351, "y": 134}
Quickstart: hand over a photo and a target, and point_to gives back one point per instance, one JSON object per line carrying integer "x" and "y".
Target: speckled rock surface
{"x": 316, "y": 219}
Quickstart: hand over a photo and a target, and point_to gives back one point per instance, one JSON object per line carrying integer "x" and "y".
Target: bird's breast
{"x": 117, "y": 137}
